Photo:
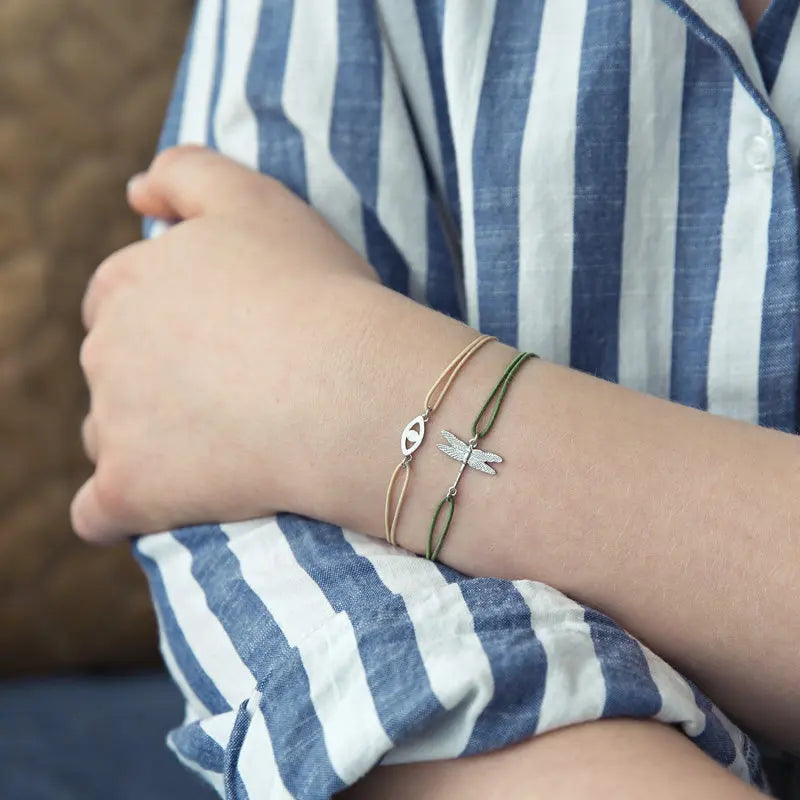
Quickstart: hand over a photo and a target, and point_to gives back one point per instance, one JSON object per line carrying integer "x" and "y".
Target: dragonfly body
{"x": 468, "y": 454}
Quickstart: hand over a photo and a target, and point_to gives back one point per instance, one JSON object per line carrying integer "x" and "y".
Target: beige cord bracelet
{"x": 414, "y": 432}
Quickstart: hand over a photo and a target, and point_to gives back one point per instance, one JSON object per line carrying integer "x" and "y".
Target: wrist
{"x": 397, "y": 350}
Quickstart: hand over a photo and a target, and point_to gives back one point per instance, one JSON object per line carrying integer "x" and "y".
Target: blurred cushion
{"x": 83, "y": 88}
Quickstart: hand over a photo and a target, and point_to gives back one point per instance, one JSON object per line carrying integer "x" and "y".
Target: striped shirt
{"x": 610, "y": 183}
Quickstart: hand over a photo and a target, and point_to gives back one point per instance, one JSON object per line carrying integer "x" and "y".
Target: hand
{"x": 211, "y": 348}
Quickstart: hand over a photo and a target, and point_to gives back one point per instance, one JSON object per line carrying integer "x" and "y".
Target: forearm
{"x": 680, "y": 525}
{"x": 620, "y": 758}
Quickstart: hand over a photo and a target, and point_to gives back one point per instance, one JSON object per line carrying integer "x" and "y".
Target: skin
{"x": 669, "y": 545}
{"x": 618, "y": 759}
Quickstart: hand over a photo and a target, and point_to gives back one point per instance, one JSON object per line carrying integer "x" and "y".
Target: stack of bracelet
{"x": 414, "y": 432}
{"x": 468, "y": 454}
{"x": 464, "y": 452}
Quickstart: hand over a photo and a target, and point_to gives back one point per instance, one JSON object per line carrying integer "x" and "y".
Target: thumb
{"x": 190, "y": 181}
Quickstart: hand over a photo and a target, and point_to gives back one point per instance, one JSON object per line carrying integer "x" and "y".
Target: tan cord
{"x": 448, "y": 375}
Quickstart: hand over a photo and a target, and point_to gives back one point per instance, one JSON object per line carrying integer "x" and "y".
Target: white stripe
{"x": 256, "y": 764}
{"x": 193, "y": 127}
{"x": 466, "y": 37}
{"x": 308, "y": 91}
{"x": 158, "y": 227}
{"x": 658, "y": 48}
{"x": 402, "y": 194}
{"x": 402, "y": 29}
{"x": 725, "y": 18}
{"x": 325, "y": 639}
{"x": 235, "y": 124}
{"x": 445, "y": 635}
{"x": 678, "y": 703}
{"x": 205, "y": 636}
{"x": 547, "y": 185}
{"x": 575, "y": 689}
{"x": 734, "y": 350}
{"x": 200, "y": 74}
{"x": 220, "y": 727}
{"x": 786, "y": 89}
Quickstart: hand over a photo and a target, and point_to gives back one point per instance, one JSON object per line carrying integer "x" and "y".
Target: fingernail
{"x": 136, "y": 179}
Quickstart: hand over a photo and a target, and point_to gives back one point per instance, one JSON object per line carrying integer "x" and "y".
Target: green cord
{"x": 448, "y": 498}
{"x": 501, "y": 387}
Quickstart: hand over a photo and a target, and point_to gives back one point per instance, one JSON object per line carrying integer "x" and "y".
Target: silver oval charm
{"x": 412, "y": 436}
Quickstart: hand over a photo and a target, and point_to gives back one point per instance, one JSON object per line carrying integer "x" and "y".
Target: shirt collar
{"x": 722, "y": 25}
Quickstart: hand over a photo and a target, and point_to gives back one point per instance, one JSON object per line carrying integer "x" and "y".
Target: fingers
{"x": 189, "y": 181}
{"x": 89, "y": 438}
{"x": 147, "y": 202}
{"x": 89, "y": 518}
{"x": 115, "y": 270}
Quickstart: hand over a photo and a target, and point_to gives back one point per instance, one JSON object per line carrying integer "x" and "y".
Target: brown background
{"x": 83, "y": 88}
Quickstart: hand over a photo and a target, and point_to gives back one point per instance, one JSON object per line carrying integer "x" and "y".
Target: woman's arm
{"x": 286, "y": 381}
{"x": 621, "y": 758}
{"x": 682, "y": 526}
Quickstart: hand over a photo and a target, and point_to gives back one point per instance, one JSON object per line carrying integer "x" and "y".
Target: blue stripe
{"x": 780, "y": 312}
{"x": 502, "y": 112}
{"x": 601, "y": 164}
{"x": 518, "y": 660}
{"x": 387, "y": 642}
{"x": 195, "y": 675}
{"x": 714, "y": 739}
{"x": 698, "y": 28}
{"x": 280, "y": 145}
{"x": 356, "y": 130}
{"x": 195, "y": 745}
{"x": 444, "y": 290}
{"x": 431, "y": 25}
{"x": 234, "y": 786}
{"x": 630, "y": 688}
{"x": 752, "y": 758}
{"x": 707, "y": 93}
{"x": 216, "y": 81}
{"x": 441, "y": 290}
{"x": 286, "y": 693}
{"x": 772, "y": 36}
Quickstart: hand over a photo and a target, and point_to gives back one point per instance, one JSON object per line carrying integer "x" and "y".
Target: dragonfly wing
{"x": 458, "y": 455}
{"x": 455, "y": 448}
{"x": 478, "y": 461}
{"x": 454, "y": 441}
{"x": 481, "y": 466}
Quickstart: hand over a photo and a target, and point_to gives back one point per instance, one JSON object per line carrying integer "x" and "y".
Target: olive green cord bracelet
{"x": 468, "y": 454}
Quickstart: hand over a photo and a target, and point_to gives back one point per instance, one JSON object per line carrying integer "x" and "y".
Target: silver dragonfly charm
{"x": 468, "y": 455}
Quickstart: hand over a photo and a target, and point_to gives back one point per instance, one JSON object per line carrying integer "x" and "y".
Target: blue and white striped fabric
{"x": 610, "y": 183}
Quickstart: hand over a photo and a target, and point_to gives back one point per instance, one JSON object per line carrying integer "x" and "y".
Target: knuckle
{"x": 113, "y": 492}
{"x": 166, "y": 159}
{"x": 112, "y": 268}
{"x": 89, "y": 438}
{"x": 100, "y": 284}
{"x": 75, "y": 518}
{"x": 113, "y": 271}
{"x": 87, "y": 356}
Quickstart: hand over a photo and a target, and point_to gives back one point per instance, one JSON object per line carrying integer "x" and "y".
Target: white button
{"x": 761, "y": 153}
